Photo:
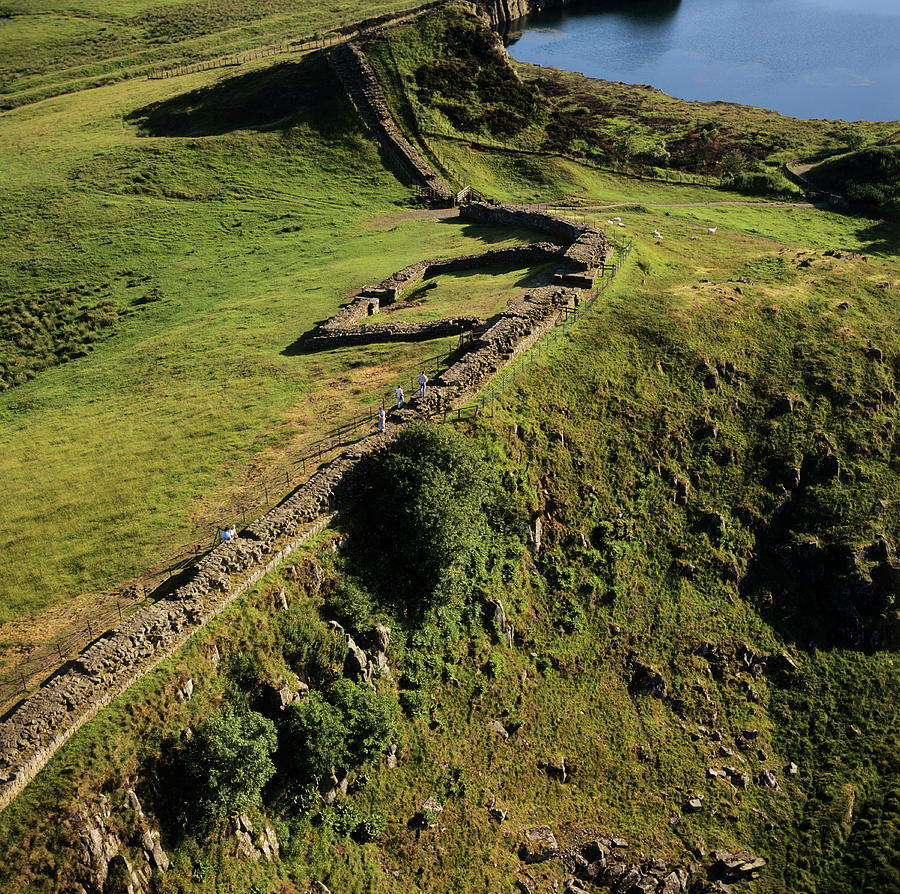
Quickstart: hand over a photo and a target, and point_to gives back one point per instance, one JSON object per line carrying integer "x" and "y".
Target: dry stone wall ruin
{"x": 33, "y": 731}
{"x": 346, "y": 326}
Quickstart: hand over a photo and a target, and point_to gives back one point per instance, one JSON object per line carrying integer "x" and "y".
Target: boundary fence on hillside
{"x": 111, "y": 608}
{"x": 108, "y": 609}
{"x": 230, "y": 60}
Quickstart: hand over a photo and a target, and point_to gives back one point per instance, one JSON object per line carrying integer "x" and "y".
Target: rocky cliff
{"x": 500, "y": 11}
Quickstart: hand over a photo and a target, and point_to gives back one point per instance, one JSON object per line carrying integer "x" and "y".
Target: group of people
{"x": 226, "y": 535}
{"x": 401, "y": 399}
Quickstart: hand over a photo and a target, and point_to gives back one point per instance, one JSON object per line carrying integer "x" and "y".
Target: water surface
{"x": 807, "y": 58}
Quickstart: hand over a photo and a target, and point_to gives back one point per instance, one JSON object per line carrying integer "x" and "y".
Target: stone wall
{"x": 388, "y": 332}
{"x": 361, "y": 83}
{"x": 33, "y": 732}
{"x": 344, "y": 329}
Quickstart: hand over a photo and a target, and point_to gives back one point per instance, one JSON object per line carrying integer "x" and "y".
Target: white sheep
{"x": 657, "y": 234}
{"x": 712, "y": 230}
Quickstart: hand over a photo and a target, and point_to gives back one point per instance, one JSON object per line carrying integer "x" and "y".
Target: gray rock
{"x": 539, "y": 844}
{"x": 693, "y": 805}
{"x": 766, "y": 779}
{"x": 382, "y": 637}
{"x": 390, "y": 758}
{"x": 496, "y": 727}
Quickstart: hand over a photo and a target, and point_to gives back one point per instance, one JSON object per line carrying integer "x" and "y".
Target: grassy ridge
{"x": 58, "y": 48}
{"x": 217, "y": 253}
{"x": 593, "y": 438}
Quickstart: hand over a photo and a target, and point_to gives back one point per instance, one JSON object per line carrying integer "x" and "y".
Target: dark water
{"x": 806, "y": 58}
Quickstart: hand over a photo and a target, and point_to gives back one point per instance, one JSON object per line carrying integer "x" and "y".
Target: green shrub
{"x": 761, "y": 183}
{"x": 229, "y": 761}
{"x": 427, "y": 515}
{"x": 347, "y": 725}
{"x": 316, "y": 738}
{"x": 350, "y": 604}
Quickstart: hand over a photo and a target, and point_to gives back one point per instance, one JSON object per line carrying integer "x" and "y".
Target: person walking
{"x": 423, "y": 383}
{"x": 381, "y": 418}
{"x": 399, "y": 398}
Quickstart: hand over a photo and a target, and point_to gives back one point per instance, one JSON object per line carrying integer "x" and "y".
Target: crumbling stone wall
{"x": 388, "y": 332}
{"x": 40, "y": 725}
{"x": 361, "y": 83}
{"x": 343, "y": 328}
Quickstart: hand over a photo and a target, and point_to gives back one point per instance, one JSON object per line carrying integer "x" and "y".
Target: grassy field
{"x": 594, "y": 435}
{"x": 53, "y": 48}
{"x": 167, "y": 244}
{"x": 216, "y": 253}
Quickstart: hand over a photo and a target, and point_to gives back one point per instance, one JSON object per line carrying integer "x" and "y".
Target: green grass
{"x": 218, "y": 254}
{"x": 591, "y": 436}
{"x": 59, "y": 48}
{"x": 243, "y": 221}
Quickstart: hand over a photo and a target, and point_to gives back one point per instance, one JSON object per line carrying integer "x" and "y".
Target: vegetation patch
{"x": 37, "y": 331}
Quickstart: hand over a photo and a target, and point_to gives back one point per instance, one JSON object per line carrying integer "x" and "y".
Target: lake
{"x": 806, "y": 58}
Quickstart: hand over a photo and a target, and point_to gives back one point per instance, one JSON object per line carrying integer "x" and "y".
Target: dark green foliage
{"x": 345, "y": 727}
{"x": 37, "y": 331}
{"x": 760, "y": 183}
{"x": 349, "y": 604}
{"x": 315, "y": 737}
{"x": 870, "y": 178}
{"x": 368, "y": 716}
{"x": 428, "y": 514}
{"x": 229, "y": 761}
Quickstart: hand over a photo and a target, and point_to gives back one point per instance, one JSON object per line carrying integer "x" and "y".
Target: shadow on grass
{"x": 280, "y": 96}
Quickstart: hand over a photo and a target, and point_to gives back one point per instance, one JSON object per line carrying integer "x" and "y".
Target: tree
{"x": 734, "y": 163}
{"x": 421, "y": 514}
{"x": 229, "y": 761}
{"x": 368, "y": 716}
{"x": 316, "y": 738}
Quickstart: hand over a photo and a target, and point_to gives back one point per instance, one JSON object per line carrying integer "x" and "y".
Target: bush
{"x": 229, "y": 761}
{"x": 317, "y": 738}
{"x": 347, "y": 726}
{"x": 421, "y": 517}
{"x": 761, "y": 183}
{"x": 350, "y": 604}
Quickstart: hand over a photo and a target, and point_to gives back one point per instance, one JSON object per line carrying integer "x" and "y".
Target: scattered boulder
{"x": 734, "y": 867}
{"x": 496, "y": 727}
{"x": 382, "y": 637}
{"x": 539, "y": 844}
{"x": 766, "y": 779}
{"x": 647, "y": 680}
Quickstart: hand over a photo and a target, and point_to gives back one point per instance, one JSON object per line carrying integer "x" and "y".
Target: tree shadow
{"x": 275, "y": 97}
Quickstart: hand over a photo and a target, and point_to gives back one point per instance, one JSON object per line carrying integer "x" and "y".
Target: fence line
{"x": 233, "y": 59}
{"x": 111, "y": 608}
{"x": 567, "y": 316}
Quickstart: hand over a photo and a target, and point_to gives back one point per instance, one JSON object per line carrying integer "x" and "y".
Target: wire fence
{"x": 630, "y": 169}
{"x": 231, "y": 60}
{"x": 266, "y": 492}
